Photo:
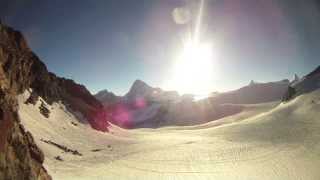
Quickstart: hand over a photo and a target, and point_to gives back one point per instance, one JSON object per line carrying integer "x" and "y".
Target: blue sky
{"x": 108, "y": 44}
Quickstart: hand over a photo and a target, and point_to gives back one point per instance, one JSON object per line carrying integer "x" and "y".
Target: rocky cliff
{"x": 21, "y": 70}
{"x": 20, "y": 158}
{"x": 24, "y": 70}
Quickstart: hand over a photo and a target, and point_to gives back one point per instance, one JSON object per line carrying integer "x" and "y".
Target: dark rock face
{"x": 44, "y": 110}
{"x": 289, "y": 94}
{"x": 20, "y": 158}
{"x": 24, "y": 70}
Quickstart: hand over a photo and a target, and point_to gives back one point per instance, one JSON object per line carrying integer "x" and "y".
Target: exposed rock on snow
{"x": 58, "y": 158}
{"x": 306, "y": 84}
{"x": 62, "y": 147}
{"x": 44, "y": 110}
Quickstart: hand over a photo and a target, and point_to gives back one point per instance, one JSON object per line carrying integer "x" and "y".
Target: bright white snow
{"x": 278, "y": 144}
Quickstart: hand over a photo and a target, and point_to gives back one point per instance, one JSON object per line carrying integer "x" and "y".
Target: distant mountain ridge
{"x": 140, "y": 89}
{"x": 254, "y": 93}
{"x": 145, "y": 106}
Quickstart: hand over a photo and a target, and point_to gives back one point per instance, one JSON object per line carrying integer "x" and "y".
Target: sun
{"x": 194, "y": 69}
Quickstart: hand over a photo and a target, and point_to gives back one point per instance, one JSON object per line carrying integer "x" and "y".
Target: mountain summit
{"x": 139, "y": 89}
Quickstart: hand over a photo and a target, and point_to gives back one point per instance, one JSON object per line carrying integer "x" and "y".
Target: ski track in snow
{"x": 278, "y": 144}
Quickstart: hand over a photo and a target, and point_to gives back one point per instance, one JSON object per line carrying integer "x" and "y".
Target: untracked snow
{"x": 279, "y": 144}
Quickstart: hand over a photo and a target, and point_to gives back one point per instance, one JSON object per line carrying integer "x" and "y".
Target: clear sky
{"x": 107, "y": 44}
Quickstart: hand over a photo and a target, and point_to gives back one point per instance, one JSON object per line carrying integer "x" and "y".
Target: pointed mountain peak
{"x": 139, "y": 83}
{"x": 139, "y": 88}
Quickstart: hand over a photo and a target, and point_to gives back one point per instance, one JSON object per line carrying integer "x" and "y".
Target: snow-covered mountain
{"x": 190, "y": 112}
{"x": 260, "y": 140}
{"x": 145, "y": 106}
{"x": 252, "y": 139}
{"x": 265, "y": 141}
{"x": 308, "y": 83}
{"x": 140, "y": 89}
{"x": 140, "y": 104}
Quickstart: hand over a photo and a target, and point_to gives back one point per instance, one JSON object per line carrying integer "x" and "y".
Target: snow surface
{"x": 279, "y": 144}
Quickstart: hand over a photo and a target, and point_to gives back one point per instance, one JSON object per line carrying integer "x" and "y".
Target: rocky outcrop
{"x": 291, "y": 92}
{"x": 25, "y": 70}
{"x": 20, "y": 158}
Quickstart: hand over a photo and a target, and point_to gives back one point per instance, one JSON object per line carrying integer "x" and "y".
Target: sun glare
{"x": 193, "y": 70}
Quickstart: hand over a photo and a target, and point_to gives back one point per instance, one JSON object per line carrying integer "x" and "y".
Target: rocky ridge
{"x": 20, "y": 158}
{"x": 24, "y": 70}
{"x": 254, "y": 93}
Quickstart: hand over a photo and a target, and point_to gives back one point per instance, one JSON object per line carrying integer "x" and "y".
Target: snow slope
{"x": 278, "y": 144}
